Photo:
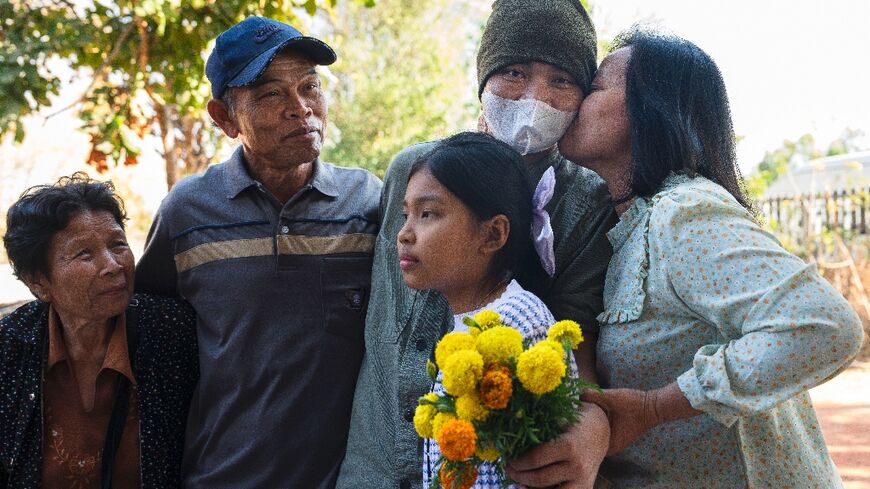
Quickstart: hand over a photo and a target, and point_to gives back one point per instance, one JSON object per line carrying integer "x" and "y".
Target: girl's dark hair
{"x": 678, "y": 114}
{"x": 44, "y": 210}
{"x": 490, "y": 178}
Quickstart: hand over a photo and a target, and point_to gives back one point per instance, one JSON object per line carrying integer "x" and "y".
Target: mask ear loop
{"x": 542, "y": 230}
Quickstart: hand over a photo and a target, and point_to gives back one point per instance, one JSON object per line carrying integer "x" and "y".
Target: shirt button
{"x": 32, "y": 396}
{"x": 405, "y": 484}
{"x": 409, "y": 415}
{"x": 285, "y": 229}
{"x": 421, "y": 345}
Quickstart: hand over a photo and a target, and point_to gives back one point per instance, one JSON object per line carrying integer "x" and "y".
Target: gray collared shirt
{"x": 403, "y": 326}
{"x": 280, "y": 292}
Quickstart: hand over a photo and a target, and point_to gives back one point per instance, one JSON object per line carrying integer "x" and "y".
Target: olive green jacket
{"x": 403, "y": 325}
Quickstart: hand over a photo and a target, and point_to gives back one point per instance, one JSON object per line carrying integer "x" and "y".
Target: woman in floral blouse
{"x": 712, "y": 332}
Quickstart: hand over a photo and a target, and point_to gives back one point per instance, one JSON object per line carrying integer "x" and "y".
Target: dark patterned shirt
{"x": 166, "y": 371}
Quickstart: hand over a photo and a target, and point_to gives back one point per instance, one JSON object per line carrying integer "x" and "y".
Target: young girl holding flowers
{"x": 472, "y": 218}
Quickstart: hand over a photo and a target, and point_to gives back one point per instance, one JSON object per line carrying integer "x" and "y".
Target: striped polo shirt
{"x": 280, "y": 291}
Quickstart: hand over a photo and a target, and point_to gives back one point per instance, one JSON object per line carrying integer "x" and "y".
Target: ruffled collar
{"x": 628, "y": 221}
{"x": 639, "y": 211}
{"x": 624, "y": 292}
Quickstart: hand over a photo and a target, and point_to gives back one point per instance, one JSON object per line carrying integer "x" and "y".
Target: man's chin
{"x": 300, "y": 156}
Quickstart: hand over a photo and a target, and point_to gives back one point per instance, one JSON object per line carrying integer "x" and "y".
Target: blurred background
{"x": 116, "y": 89}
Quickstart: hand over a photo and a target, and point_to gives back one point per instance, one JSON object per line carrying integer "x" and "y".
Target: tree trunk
{"x": 164, "y": 115}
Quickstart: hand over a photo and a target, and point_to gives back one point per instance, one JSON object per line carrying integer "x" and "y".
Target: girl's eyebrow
{"x": 428, "y": 198}
{"x": 423, "y": 199}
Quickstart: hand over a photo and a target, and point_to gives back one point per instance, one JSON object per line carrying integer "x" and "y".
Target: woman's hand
{"x": 633, "y": 412}
{"x": 629, "y": 413}
{"x": 570, "y": 461}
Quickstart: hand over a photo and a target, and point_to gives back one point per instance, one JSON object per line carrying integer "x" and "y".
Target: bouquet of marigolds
{"x": 503, "y": 396}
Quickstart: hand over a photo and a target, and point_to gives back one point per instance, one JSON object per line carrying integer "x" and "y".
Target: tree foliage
{"x": 147, "y": 62}
{"x": 776, "y": 162}
{"x": 403, "y": 76}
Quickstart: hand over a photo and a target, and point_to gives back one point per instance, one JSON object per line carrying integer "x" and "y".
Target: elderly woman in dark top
{"x": 94, "y": 380}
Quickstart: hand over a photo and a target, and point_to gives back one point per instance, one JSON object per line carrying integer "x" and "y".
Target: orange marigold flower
{"x": 467, "y": 478}
{"x": 457, "y": 440}
{"x": 496, "y": 387}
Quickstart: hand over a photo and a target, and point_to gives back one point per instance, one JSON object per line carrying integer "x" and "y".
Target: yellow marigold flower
{"x": 467, "y": 477}
{"x": 487, "y": 452}
{"x": 457, "y": 440}
{"x": 499, "y": 343}
{"x": 487, "y": 318}
{"x": 451, "y": 343}
{"x": 496, "y": 387}
{"x": 423, "y": 416}
{"x": 541, "y": 368}
{"x": 440, "y": 420}
{"x": 567, "y": 329}
{"x": 469, "y": 408}
{"x": 462, "y": 370}
{"x": 555, "y": 345}
{"x": 431, "y": 397}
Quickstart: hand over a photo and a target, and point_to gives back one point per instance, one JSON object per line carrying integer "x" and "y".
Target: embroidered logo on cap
{"x": 265, "y": 32}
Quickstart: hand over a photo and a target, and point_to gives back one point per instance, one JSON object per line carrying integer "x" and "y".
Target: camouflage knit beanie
{"x": 558, "y": 32}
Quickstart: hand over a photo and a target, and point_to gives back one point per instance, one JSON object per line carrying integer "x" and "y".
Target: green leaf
{"x": 19, "y": 132}
{"x": 432, "y": 370}
{"x": 161, "y": 23}
{"x": 311, "y": 7}
{"x": 471, "y": 323}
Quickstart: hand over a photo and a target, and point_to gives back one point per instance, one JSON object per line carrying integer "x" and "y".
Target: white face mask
{"x": 527, "y": 125}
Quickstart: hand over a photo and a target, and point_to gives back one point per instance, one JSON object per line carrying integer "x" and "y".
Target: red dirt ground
{"x": 843, "y": 408}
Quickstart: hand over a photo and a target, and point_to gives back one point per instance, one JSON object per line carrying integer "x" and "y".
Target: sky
{"x": 790, "y": 67}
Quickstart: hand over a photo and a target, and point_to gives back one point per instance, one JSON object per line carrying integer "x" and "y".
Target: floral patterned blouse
{"x": 697, "y": 292}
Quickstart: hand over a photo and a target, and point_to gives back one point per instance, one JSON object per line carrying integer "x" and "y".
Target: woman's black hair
{"x": 678, "y": 114}
{"x": 490, "y": 178}
{"x": 44, "y": 210}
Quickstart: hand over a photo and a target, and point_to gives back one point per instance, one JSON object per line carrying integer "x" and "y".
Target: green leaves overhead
{"x": 402, "y": 76}
{"x": 147, "y": 62}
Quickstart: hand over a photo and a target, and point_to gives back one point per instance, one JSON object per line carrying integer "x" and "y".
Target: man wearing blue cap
{"x": 273, "y": 248}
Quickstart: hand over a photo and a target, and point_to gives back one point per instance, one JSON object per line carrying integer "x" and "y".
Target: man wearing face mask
{"x": 535, "y": 63}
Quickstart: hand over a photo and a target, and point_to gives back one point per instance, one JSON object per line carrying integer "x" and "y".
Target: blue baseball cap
{"x": 243, "y": 52}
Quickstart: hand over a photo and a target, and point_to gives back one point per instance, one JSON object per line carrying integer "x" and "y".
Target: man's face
{"x": 280, "y": 118}
{"x": 541, "y": 81}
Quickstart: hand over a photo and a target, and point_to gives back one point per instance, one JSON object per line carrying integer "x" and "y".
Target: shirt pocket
{"x": 345, "y": 283}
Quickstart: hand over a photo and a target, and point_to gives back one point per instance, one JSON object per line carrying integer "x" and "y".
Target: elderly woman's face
{"x": 534, "y": 80}
{"x": 91, "y": 269}
{"x": 601, "y": 130}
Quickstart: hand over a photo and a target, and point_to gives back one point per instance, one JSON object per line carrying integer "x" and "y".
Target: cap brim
{"x": 315, "y": 49}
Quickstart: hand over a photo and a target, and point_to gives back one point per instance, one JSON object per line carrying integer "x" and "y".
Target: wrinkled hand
{"x": 631, "y": 413}
{"x": 570, "y": 461}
